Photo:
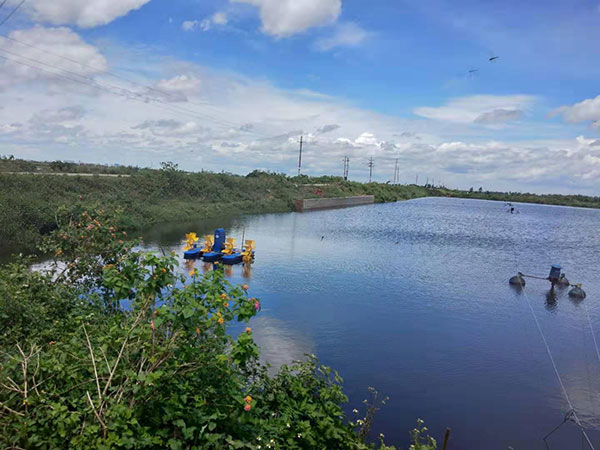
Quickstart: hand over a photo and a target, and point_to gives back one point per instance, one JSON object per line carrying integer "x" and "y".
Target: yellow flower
{"x": 192, "y": 272}
{"x": 248, "y": 330}
{"x": 248, "y": 399}
{"x": 221, "y": 320}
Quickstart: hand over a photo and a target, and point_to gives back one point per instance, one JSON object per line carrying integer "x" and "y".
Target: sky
{"x": 232, "y": 85}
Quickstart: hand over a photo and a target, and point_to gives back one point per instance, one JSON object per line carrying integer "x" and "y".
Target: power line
{"x": 11, "y": 13}
{"x": 121, "y": 77}
{"x": 3, "y": 3}
{"x": 100, "y": 87}
{"x": 107, "y": 87}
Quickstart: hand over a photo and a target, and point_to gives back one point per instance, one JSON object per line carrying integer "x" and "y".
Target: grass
{"x": 29, "y": 203}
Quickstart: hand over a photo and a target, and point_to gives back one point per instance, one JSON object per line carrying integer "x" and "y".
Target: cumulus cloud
{"x": 283, "y": 18}
{"x": 219, "y": 18}
{"x": 585, "y": 111}
{"x": 240, "y": 124}
{"x": 60, "y": 40}
{"x": 486, "y": 109}
{"x": 345, "y": 35}
{"x": 179, "y": 87}
{"x": 84, "y": 14}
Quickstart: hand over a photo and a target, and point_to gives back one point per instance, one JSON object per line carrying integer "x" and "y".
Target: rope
{"x": 571, "y": 413}
{"x": 533, "y": 276}
{"x": 564, "y": 390}
{"x": 591, "y": 329}
{"x": 565, "y": 420}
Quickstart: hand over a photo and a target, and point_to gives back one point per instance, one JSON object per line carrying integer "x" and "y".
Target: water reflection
{"x": 412, "y": 298}
{"x": 280, "y": 343}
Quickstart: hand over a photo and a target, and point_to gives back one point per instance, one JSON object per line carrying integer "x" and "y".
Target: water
{"x": 413, "y": 299}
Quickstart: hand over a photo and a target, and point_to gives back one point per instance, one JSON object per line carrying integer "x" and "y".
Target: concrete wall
{"x": 330, "y": 203}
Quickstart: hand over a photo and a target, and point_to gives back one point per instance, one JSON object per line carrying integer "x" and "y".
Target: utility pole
{"x": 396, "y": 172}
{"x": 417, "y": 180}
{"x": 300, "y": 157}
{"x": 346, "y": 167}
{"x": 370, "y": 168}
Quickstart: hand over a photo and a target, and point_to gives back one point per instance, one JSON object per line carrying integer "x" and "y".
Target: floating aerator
{"x": 517, "y": 280}
{"x": 577, "y": 292}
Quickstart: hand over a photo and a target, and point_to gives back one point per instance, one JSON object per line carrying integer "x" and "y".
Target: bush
{"x": 79, "y": 370}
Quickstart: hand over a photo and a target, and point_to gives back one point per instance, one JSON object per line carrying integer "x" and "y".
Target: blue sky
{"x": 231, "y": 85}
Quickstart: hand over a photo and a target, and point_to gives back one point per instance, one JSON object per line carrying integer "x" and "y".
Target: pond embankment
{"x": 309, "y": 204}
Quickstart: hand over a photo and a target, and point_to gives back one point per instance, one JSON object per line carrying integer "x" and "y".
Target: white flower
{"x": 258, "y": 438}
{"x": 299, "y": 435}
{"x": 287, "y": 425}
{"x": 355, "y": 411}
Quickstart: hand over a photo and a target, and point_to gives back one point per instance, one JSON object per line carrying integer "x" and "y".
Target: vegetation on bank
{"x": 581, "y": 201}
{"x": 114, "y": 348}
{"x": 28, "y": 203}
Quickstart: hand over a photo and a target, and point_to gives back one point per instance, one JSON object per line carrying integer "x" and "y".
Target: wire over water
{"x": 592, "y": 330}
{"x": 572, "y": 413}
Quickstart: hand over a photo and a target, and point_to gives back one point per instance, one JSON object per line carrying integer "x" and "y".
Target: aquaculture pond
{"x": 413, "y": 299}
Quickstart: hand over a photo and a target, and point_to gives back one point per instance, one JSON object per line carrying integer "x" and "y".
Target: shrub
{"x": 81, "y": 370}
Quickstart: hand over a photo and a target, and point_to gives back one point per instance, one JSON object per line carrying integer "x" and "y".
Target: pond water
{"x": 413, "y": 299}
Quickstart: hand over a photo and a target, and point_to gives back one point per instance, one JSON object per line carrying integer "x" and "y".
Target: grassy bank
{"x": 29, "y": 203}
{"x": 581, "y": 201}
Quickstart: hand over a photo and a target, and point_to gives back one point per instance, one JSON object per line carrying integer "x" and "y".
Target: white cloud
{"x": 66, "y": 114}
{"x": 488, "y": 109}
{"x": 499, "y": 116}
{"x": 168, "y": 127}
{"x": 216, "y": 120}
{"x": 283, "y": 18}
{"x": 327, "y": 128}
{"x": 218, "y": 18}
{"x": 585, "y": 111}
{"x": 62, "y": 41}
{"x": 345, "y": 35}
{"x": 190, "y": 25}
{"x": 83, "y": 13}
